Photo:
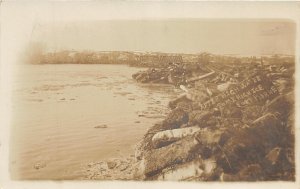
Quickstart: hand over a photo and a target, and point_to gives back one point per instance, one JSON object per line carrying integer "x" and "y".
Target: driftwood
{"x": 200, "y": 77}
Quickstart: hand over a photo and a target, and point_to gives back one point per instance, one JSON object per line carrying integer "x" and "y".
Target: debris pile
{"x": 175, "y": 74}
{"x": 227, "y": 126}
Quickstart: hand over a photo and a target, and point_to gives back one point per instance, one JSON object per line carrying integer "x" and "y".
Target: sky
{"x": 217, "y": 36}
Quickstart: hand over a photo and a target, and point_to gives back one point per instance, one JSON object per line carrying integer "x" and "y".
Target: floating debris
{"x": 39, "y": 165}
{"x": 100, "y": 126}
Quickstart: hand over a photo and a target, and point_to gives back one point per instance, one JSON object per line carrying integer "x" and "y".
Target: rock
{"x": 278, "y": 164}
{"x": 175, "y": 118}
{"x": 183, "y": 172}
{"x": 199, "y": 117}
{"x": 273, "y": 155}
{"x": 154, "y": 75}
{"x": 139, "y": 76}
{"x": 123, "y": 166}
{"x": 182, "y": 99}
{"x": 111, "y": 164}
{"x": 243, "y": 146}
{"x": 168, "y": 136}
{"x": 135, "y": 75}
{"x": 251, "y": 172}
{"x": 197, "y": 169}
{"x": 116, "y": 169}
{"x": 209, "y": 166}
{"x": 186, "y": 106}
{"x": 176, "y": 153}
{"x": 198, "y": 96}
{"x": 282, "y": 104}
{"x": 138, "y": 170}
{"x": 102, "y": 166}
{"x": 146, "y": 143}
{"x": 209, "y": 137}
{"x": 255, "y": 89}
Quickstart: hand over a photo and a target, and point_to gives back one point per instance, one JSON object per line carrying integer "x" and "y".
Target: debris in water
{"x": 101, "y": 126}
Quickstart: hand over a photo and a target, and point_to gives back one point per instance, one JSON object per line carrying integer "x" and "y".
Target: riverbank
{"x": 231, "y": 125}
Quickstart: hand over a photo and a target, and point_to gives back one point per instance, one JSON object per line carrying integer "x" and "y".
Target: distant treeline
{"x": 87, "y": 57}
{"x": 155, "y": 59}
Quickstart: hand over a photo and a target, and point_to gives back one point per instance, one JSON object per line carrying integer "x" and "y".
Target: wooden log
{"x": 283, "y": 104}
{"x": 200, "y": 77}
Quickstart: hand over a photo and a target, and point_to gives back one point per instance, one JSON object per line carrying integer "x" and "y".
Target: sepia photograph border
{"x": 18, "y": 18}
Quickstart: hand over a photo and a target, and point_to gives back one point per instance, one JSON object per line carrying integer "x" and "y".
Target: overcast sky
{"x": 245, "y": 37}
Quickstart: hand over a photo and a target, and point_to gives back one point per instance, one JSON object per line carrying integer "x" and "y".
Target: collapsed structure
{"x": 233, "y": 123}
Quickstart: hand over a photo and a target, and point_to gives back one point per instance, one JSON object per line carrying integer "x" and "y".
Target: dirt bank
{"x": 229, "y": 125}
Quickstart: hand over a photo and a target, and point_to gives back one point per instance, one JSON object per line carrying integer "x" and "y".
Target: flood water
{"x": 65, "y": 116}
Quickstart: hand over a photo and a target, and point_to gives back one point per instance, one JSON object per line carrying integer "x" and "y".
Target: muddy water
{"x": 65, "y": 116}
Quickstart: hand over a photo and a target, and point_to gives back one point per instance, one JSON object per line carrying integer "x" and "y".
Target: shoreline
{"x": 208, "y": 127}
{"x": 91, "y": 132}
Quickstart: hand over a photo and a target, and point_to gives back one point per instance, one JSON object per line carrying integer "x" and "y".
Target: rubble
{"x": 228, "y": 125}
{"x": 176, "y": 118}
{"x": 251, "y": 172}
{"x": 114, "y": 169}
{"x": 183, "y": 172}
{"x": 174, "y": 74}
{"x": 172, "y": 154}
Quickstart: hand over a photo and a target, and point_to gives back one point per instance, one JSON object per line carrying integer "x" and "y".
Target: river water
{"x": 65, "y": 116}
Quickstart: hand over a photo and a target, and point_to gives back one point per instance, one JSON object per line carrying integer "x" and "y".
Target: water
{"x": 57, "y": 107}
